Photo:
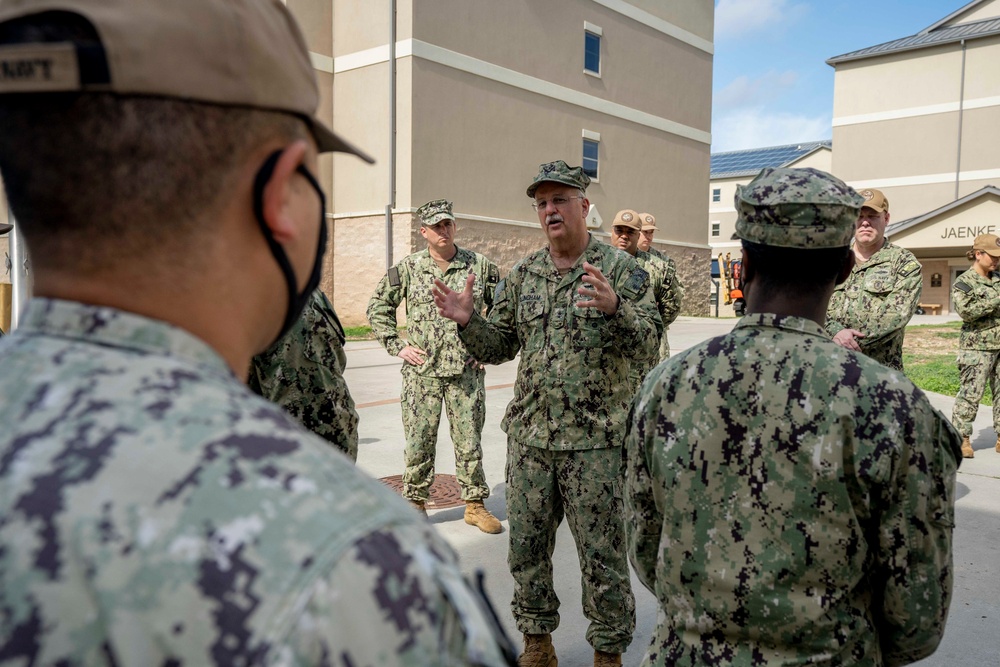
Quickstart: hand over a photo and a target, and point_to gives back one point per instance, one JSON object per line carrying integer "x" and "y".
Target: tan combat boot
{"x": 967, "y": 452}
{"x": 538, "y": 652}
{"x": 419, "y": 506}
{"x": 998, "y": 445}
{"x": 602, "y": 659}
{"x": 477, "y": 515}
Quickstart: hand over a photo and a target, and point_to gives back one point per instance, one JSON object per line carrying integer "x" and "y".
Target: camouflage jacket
{"x": 790, "y": 502}
{"x": 572, "y": 389}
{"x": 977, "y": 301}
{"x": 304, "y": 373}
{"x": 413, "y": 279}
{"x": 668, "y": 292}
{"x": 154, "y": 511}
{"x": 878, "y": 299}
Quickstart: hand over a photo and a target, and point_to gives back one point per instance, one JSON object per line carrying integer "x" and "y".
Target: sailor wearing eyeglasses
{"x": 578, "y": 311}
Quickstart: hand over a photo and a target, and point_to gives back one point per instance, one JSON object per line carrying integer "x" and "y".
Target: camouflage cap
{"x": 434, "y": 212}
{"x": 648, "y": 222}
{"x": 627, "y": 218}
{"x": 559, "y": 172}
{"x": 797, "y": 208}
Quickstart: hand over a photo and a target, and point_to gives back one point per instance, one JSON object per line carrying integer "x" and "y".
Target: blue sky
{"x": 771, "y": 83}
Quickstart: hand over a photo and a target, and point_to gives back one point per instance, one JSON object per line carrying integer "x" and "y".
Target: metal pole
{"x": 961, "y": 113}
{"x": 392, "y": 135}
{"x": 20, "y": 273}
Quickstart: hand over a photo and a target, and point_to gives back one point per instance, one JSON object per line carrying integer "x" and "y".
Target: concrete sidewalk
{"x": 373, "y": 376}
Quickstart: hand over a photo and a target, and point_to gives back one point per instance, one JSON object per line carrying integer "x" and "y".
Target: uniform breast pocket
{"x": 530, "y": 323}
{"x": 590, "y": 332}
{"x": 878, "y": 283}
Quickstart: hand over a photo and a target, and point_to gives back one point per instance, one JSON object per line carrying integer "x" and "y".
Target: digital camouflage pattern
{"x": 796, "y": 208}
{"x": 571, "y": 394}
{"x": 790, "y": 502}
{"x": 571, "y": 390}
{"x": 559, "y": 172}
{"x": 668, "y": 292}
{"x": 464, "y": 398}
{"x": 154, "y": 511}
{"x": 977, "y": 302}
{"x": 447, "y": 369}
{"x": 412, "y": 280}
{"x": 878, "y": 299}
{"x": 538, "y": 483}
{"x": 434, "y": 212}
{"x": 303, "y": 372}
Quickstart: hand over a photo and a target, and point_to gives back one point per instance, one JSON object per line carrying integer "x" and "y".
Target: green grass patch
{"x": 937, "y": 373}
{"x": 957, "y": 324}
{"x": 359, "y": 333}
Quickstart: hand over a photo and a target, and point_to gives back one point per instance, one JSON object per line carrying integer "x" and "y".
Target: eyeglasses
{"x": 558, "y": 202}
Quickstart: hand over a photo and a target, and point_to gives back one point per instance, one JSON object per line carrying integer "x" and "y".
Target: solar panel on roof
{"x": 753, "y": 160}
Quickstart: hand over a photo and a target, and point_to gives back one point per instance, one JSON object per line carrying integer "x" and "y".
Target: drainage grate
{"x": 445, "y": 491}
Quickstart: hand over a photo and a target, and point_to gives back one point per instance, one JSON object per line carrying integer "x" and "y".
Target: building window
{"x": 935, "y": 280}
{"x": 715, "y": 228}
{"x": 590, "y": 157}
{"x": 592, "y": 48}
{"x": 716, "y": 194}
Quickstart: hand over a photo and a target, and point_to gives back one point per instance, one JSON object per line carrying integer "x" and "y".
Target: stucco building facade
{"x": 919, "y": 119}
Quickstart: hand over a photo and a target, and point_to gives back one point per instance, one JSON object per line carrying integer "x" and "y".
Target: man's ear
{"x": 277, "y": 193}
{"x": 845, "y": 271}
{"x": 748, "y": 270}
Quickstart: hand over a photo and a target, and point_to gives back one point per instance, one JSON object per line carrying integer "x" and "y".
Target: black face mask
{"x": 296, "y": 301}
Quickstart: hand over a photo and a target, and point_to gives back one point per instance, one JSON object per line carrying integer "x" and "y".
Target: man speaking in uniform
{"x": 436, "y": 366}
{"x": 869, "y": 311}
{"x": 159, "y": 158}
{"x": 579, "y": 312}
{"x": 790, "y": 501}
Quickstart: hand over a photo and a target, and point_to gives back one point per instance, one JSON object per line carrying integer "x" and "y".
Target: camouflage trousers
{"x": 977, "y": 367}
{"x": 464, "y": 398}
{"x": 585, "y": 487}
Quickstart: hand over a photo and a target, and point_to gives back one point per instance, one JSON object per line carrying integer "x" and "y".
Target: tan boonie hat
{"x": 559, "y": 172}
{"x": 627, "y": 218}
{"x": 797, "y": 208}
{"x": 242, "y": 53}
{"x": 874, "y": 199}
{"x": 434, "y": 212}
{"x": 988, "y": 243}
{"x": 648, "y": 222}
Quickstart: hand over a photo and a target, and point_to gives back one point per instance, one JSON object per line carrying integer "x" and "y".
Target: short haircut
{"x": 98, "y": 179}
{"x": 779, "y": 269}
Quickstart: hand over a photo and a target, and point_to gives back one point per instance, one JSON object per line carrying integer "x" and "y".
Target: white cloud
{"x": 737, "y": 18}
{"x": 746, "y": 92}
{"x": 756, "y": 128}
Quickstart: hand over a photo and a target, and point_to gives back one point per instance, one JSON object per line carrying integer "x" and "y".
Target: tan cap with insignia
{"x": 225, "y": 52}
{"x": 988, "y": 243}
{"x": 627, "y": 218}
{"x": 874, "y": 199}
{"x": 648, "y": 222}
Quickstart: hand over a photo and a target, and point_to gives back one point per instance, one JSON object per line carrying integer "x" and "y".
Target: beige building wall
{"x": 923, "y": 126}
{"x": 487, "y": 91}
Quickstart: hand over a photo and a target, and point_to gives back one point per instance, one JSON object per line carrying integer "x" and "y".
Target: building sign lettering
{"x": 967, "y": 232}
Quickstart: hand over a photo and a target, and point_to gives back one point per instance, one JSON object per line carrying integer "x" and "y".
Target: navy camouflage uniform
{"x": 154, "y": 511}
{"x": 447, "y": 374}
{"x": 977, "y": 301}
{"x": 304, "y": 374}
{"x": 565, "y": 428}
{"x": 790, "y": 501}
{"x": 878, "y": 299}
